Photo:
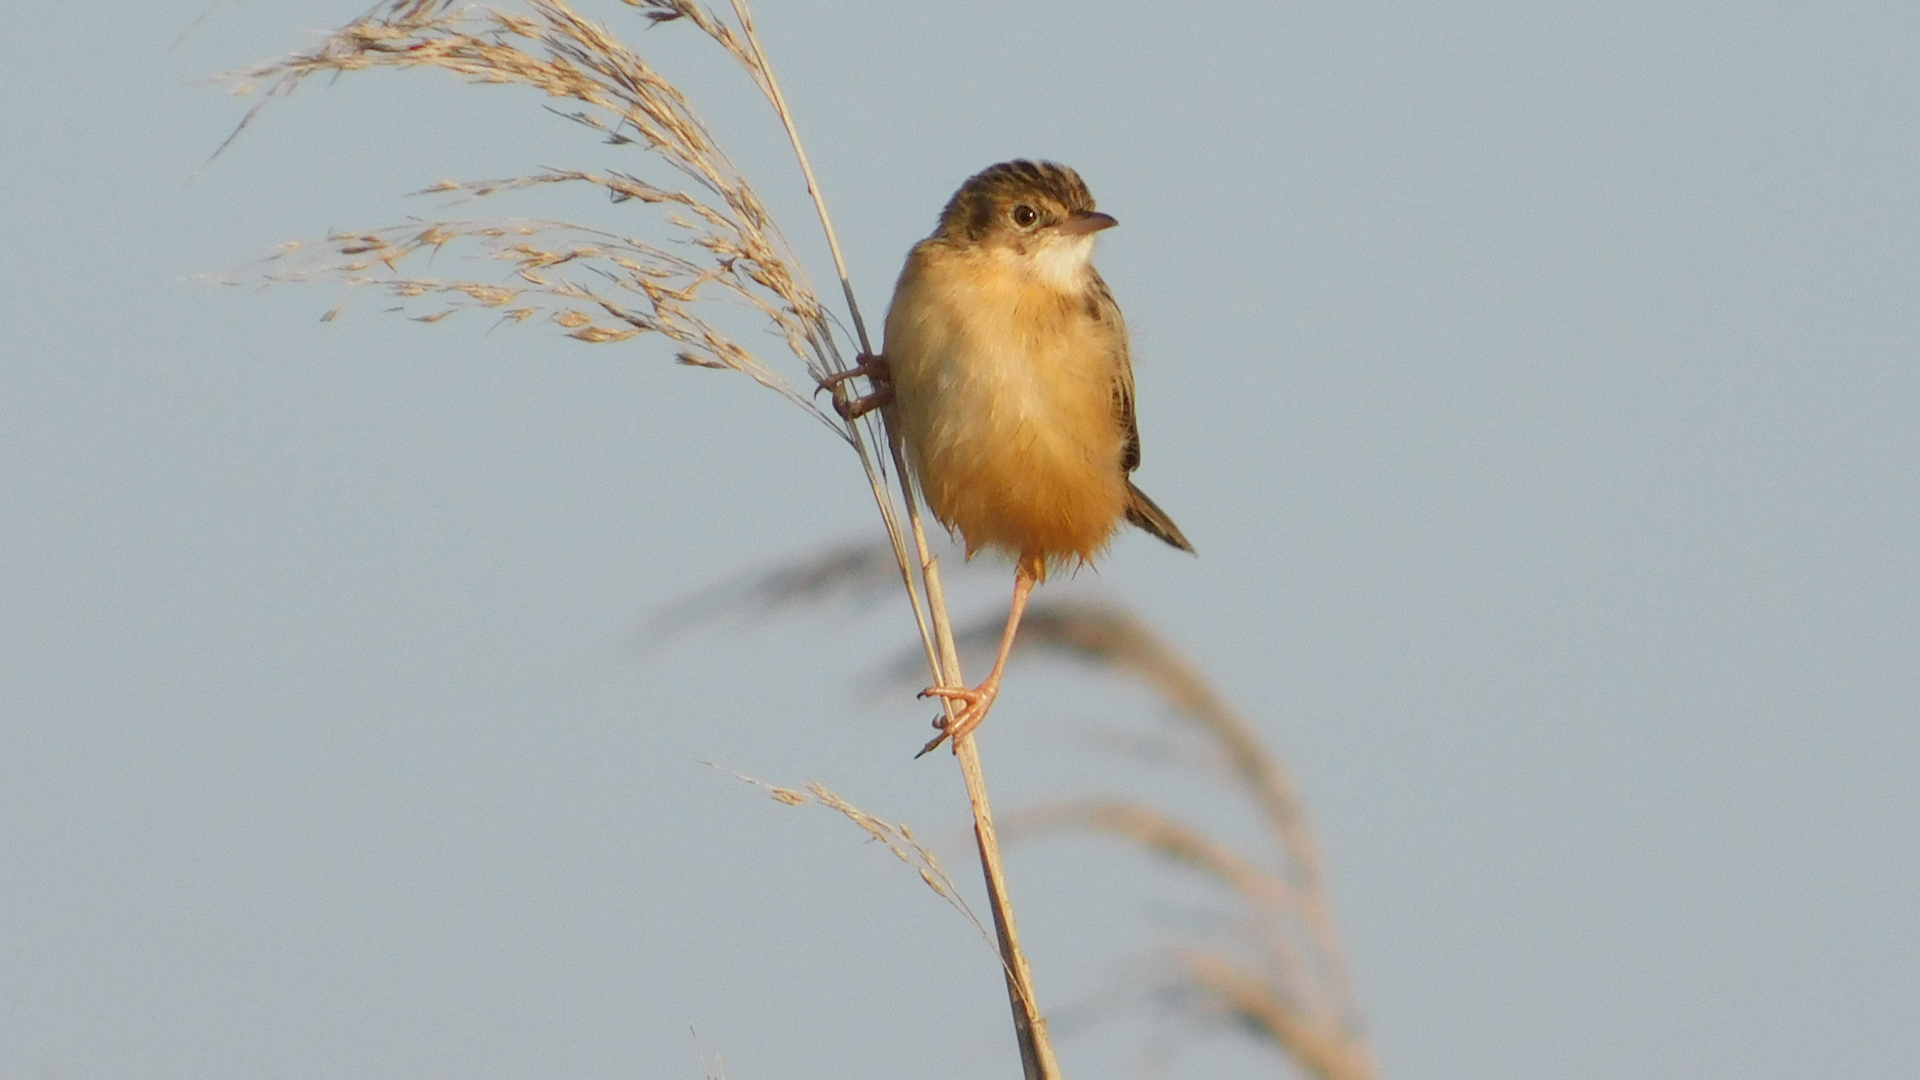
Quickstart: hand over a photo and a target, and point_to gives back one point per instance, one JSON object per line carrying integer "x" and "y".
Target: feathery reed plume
{"x": 1285, "y": 975}
{"x": 1288, "y": 978}
{"x": 897, "y": 838}
{"x": 860, "y": 571}
{"x": 603, "y": 286}
{"x": 597, "y": 285}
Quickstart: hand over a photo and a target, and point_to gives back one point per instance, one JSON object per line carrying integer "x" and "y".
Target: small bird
{"x": 1009, "y": 383}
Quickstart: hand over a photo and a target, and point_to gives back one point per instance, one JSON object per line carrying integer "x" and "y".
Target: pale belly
{"x": 1013, "y": 435}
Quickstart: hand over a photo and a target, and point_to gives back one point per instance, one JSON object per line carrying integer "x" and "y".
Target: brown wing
{"x": 1123, "y": 411}
{"x": 1101, "y": 306}
{"x": 1141, "y": 510}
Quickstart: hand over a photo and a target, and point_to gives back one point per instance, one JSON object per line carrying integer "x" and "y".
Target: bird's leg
{"x": 874, "y": 367}
{"x": 979, "y": 699}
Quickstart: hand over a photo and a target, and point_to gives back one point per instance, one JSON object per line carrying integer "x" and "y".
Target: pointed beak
{"x": 1086, "y": 224}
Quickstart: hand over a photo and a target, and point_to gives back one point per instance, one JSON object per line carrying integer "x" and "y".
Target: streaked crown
{"x": 1014, "y": 199}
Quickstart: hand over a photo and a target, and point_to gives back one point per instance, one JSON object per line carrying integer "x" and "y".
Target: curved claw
{"x": 871, "y": 366}
{"x": 977, "y": 702}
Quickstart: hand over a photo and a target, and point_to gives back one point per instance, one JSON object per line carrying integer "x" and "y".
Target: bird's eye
{"x": 1024, "y": 216}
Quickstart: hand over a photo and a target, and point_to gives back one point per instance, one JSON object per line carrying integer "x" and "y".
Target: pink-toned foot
{"x": 975, "y": 704}
{"x": 874, "y": 369}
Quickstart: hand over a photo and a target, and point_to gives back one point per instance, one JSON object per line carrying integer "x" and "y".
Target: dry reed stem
{"x": 603, "y": 287}
{"x": 943, "y": 658}
{"x": 1030, "y": 1027}
{"x": 1304, "y": 1000}
{"x": 1298, "y": 994}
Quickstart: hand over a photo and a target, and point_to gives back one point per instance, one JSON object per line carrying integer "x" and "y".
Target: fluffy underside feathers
{"x": 1006, "y": 396}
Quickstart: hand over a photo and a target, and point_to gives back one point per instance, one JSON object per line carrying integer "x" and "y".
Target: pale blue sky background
{"x": 1537, "y": 382}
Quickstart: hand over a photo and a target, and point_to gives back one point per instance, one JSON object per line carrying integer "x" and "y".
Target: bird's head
{"x": 1038, "y": 210}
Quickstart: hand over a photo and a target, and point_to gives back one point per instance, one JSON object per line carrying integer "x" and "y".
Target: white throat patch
{"x": 1061, "y": 261}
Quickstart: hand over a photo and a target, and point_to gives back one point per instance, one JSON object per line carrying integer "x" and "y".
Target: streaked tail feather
{"x": 1142, "y": 512}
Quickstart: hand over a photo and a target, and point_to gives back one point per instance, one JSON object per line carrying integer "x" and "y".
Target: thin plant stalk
{"x": 1036, "y": 1048}
{"x": 943, "y": 657}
